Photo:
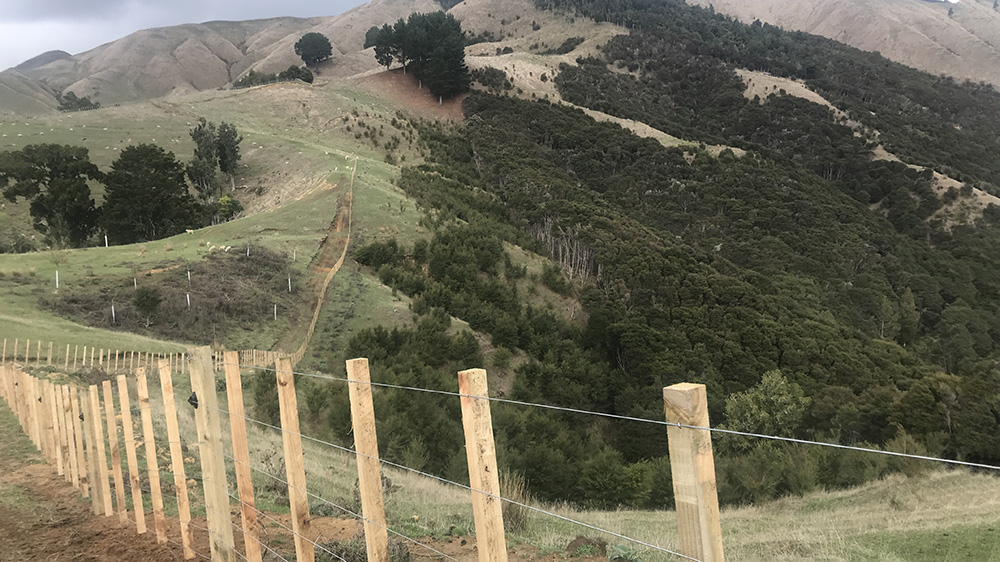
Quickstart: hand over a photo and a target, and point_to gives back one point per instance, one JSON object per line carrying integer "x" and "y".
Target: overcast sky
{"x": 32, "y": 27}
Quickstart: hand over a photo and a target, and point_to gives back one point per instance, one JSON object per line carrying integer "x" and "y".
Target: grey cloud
{"x": 58, "y": 10}
{"x": 31, "y": 27}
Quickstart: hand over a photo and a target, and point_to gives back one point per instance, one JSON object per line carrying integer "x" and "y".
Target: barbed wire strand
{"x": 665, "y": 423}
{"x": 469, "y": 488}
{"x": 345, "y": 510}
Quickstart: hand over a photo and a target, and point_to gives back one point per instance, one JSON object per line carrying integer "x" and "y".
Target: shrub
{"x": 513, "y": 487}
{"x": 622, "y": 553}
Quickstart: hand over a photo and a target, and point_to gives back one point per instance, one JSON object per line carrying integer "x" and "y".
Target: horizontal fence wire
{"x": 170, "y": 540}
{"x": 269, "y": 518}
{"x": 207, "y": 509}
{"x": 460, "y": 485}
{"x": 345, "y": 510}
{"x": 716, "y": 430}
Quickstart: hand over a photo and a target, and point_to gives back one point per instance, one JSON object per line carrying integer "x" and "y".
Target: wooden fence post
{"x": 76, "y": 352}
{"x": 93, "y": 474}
{"x": 366, "y": 453}
{"x": 241, "y": 456}
{"x": 38, "y": 354}
{"x": 3, "y": 358}
{"x": 14, "y": 356}
{"x": 213, "y": 465}
{"x": 50, "y": 428}
{"x": 154, "y": 470}
{"x": 56, "y": 410}
{"x": 49, "y": 362}
{"x": 133, "y": 460}
{"x": 64, "y": 432}
{"x": 100, "y": 451}
{"x": 693, "y": 469}
{"x": 116, "y": 454}
{"x": 37, "y": 408}
{"x": 66, "y": 365}
{"x": 483, "y": 470}
{"x": 294, "y": 464}
{"x": 74, "y": 465}
{"x": 176, "y": 458}
{"x": 81, "y": 458}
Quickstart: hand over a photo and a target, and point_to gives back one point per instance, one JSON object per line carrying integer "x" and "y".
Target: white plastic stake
{"x": 57, "y": 279}
{"x": 289, "y": 284}
{"x": 189, "y": 277}
{"x": 275, "y": 311}
{"x": 189, "y": 300}
{"x": 113, "y": 319}
{"x": 135, "y": 283}
{"x": 293, "y": 254}
{"x": 248, "y": 251}
{"x": 105, "y": 240}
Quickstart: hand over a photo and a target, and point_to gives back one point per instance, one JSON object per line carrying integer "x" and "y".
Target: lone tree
{"x": 147, "y": 197}
{"x": 53, "y": 179}
{"x": 313, "y": 48}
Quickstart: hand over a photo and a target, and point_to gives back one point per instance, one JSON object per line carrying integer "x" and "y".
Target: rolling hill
{"x": 961, "y": 40}
{"x": 159, "y": 62}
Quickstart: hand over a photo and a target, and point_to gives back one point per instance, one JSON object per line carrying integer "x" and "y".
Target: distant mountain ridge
{"x": 961, "y": 40}
{"x": 180, "y": 59}
{"x": 192, "y": 57}
{"x": 42, "y": 60}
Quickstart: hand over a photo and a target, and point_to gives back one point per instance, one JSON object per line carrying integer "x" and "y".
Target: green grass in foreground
{"x": 15, "y": 447}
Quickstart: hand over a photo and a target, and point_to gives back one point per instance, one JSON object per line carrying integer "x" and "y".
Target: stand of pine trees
{"x": 431, "y": 46}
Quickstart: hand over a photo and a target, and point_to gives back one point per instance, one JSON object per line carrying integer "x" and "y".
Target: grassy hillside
{"x": 300, "y": 148}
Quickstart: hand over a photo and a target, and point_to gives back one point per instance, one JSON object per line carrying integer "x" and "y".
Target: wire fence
{"x": 664, "y": 423}
{"x": 19, "y": 405}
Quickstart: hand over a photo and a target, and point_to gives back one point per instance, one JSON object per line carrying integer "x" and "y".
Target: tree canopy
{"x": 202, "y": 168}
{"x": 70, "y": 102}
{"x": 313, "y": 48}
{"x": 147, "y": 197}
{"x": 53, "y": 178}
{"x": 228, "y": 149}
{"x": 432, "y": 46}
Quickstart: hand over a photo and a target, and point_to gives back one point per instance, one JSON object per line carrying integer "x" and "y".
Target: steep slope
{"x": 21, "y": 94}
{"x": 964, "y": 45}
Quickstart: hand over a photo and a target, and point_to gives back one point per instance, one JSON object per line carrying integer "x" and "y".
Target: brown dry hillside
{"x": 175, "y": 60}
{"x": 917, "y": 33}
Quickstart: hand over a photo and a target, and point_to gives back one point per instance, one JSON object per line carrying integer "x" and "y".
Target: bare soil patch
{"x": 403, "y": 90}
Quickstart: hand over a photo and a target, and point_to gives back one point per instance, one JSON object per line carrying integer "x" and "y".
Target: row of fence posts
{"x": 106, "y": 359}
{"x": 69, "y": 431}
